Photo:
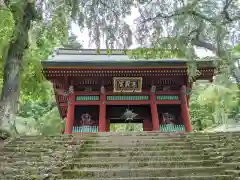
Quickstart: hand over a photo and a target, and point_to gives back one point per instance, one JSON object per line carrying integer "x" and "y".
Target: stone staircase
{"x": 224, "y": 148}
{"x": 33, "y": 158}
{"x": 114, "y": 156}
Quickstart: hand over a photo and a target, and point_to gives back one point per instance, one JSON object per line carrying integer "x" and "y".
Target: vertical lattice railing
{"x": 172, "y": 128}
{"x": 85, "y": 129}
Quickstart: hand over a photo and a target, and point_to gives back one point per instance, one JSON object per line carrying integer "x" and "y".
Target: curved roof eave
{"x": 88, "y": 57}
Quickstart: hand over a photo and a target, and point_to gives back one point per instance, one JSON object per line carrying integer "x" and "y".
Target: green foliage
{"x": 126, "y": 127}
{"x": 6, "y": 30}
{"x": 39, "y": 118}
{"x": 213, "y": 104}
{"x": 154, "y": 53}
{"x": 50, "y": 123}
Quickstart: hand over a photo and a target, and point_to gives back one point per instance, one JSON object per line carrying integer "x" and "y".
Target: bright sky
{"x": 83, "y": 37}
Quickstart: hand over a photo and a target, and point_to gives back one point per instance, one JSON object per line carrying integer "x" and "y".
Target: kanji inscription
{"x": 127, "y": 84}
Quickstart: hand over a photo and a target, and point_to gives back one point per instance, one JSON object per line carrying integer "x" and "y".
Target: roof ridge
{"x": 71, "y": 51}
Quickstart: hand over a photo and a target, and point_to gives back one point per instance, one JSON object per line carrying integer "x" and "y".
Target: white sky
{"x": 83, "y": 36}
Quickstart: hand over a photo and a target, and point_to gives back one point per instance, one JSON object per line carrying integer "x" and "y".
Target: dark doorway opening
{"x": 118, "y": 121}
{"x": 170, "y": 114}
{"x": 86, "y": 115}
{"x": 117, "y": 111}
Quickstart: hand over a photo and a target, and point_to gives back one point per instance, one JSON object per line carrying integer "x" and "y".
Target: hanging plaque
{"x": 127, "y": 84}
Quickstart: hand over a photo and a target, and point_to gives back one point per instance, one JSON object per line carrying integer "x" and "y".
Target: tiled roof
{"x": 63, "y": 56}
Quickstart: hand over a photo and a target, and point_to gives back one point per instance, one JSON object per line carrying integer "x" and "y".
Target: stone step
{"x": 212, "y": 133}
{"x": 33, "y": 149}
{"x": 106, "y": 164}
{"x": 29, "y": 154}
{"x": 200, "y": 132}
{"x": 206, "y": 138}
{"x": 47, "y": 142}
{"x": 227, "y": 141}
{"x": 174, "y": 136}
{"x": 63, "y": 137}
{"x": 138, "y": 143}
{"x": 235, "y": 172}
{"x": 215, "y": 146}
{"x": 142, "y": 158}
{"x": 27, "y": 163}
{"x": 147, "y": 145}
{"x": 167, "y": 138}
{"x": 93, "y": 140}
{"x": 231, "y": 165}
{"x": 151, "y": 141}
{"x": 156, "y": 153}
{"x": 113, "y": 141}
{"x": 25, "y": 158}
{"x": 148, "y": 172}
{"x": 231, "y": 159}
{"x": 42, "y": 159}
{"x": 7, "y": 170}
{"x": 213, "y": 177}
{"x": 133, "y": 147}
{"x": 158, "y": 133}
{"x": 215, "y": 138}
{"x": 28, "y": 177}
{"x": 182, "y": 145}
{"x": 30, "y": 162}
{"x": 139, "y": 136}
{"x": 135, "y": 164}
{"x": 57, "y": 137}
{"x": 49, "y": 146}
{"x": 225, "y": 153}
{"x": 24, "y": 149}
{"x": 118, "y": 147}
{"x": 89, "y": 148}
{"x": 222, "y": 150}
{"x": 132, "y": 134}
{"x": 140, "y": 153}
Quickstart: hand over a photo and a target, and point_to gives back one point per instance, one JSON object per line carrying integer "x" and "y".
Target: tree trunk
{"x": 13, "y": 65}
{"x": 10, "y": 92}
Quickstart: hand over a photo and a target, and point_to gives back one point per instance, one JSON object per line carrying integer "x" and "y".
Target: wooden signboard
{"x": 127, "y": 84}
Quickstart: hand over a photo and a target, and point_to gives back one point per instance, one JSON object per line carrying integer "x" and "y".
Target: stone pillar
{"x": 154, "y": 110}
{"x": 102, "y": 112}
{"x": 70, "y": 111}
{"x": 185, "y": 110}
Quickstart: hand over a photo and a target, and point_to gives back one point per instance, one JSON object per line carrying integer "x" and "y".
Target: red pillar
{"x": 185, "y": 109}
{"x": 147, "y": 125}
{"x": 70, "y": 113}
{"x": 154, "y": 112}
{"x": 102, "y": 113}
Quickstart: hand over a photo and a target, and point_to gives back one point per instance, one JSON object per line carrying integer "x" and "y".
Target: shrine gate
{"x": 95, "y": 89}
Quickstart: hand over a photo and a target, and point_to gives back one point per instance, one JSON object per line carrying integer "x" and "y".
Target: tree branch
{"x": 108, "y": 7}
{"x": 187, "y": 12}
{"x": 197, "y": 31}
{"x": 191, "y": 12}
{"x": 204, "y": 44}
{"x": 150, "y": 1}
{"x": 225, "y": 8}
